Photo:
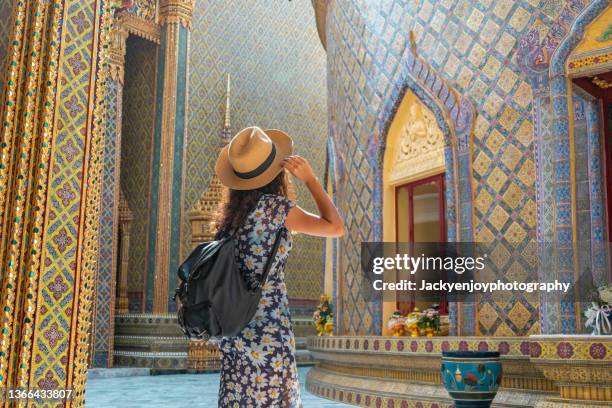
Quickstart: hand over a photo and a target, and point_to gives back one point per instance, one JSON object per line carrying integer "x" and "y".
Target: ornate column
{"x": 50, "y": 166}
{"x": 545, "y": 62}
{"x": 125, "y": 219}
{"x": 166, "y": 189}
{"x": 103, "y": 327}
{"x": 116, "y": 62}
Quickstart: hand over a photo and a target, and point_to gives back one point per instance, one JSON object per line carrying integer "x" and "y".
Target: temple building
{"x": 427, "y": 121}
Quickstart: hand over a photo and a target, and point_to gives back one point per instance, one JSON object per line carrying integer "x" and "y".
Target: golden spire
{"x": 203, "y": 213}
{"x": 226, "y": 132}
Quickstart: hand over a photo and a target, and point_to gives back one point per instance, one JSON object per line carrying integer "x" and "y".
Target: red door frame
{"x": 439, "y": 180}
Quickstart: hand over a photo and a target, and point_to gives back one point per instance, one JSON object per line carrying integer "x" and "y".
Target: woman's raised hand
{"x": 299, "y": 168}
{"x": 328, "y": 222}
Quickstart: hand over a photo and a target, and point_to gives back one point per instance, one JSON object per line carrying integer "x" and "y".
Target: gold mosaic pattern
{"x": 15, "y": 183}
{"x": 6, "y": 8}
{"x": 278, "y": 71}
{"x": 53, "y": 191}
{"x": 136, "y": 148}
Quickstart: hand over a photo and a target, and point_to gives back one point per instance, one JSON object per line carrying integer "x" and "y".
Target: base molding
{"x": 405, "y": 372}
{"x": 371, "y": 392}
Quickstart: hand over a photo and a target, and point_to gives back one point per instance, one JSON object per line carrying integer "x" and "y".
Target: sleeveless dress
{"x": 258, "y": 367}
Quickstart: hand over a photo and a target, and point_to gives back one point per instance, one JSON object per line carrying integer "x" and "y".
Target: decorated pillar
{"x": 545, "y": 62}
{"x": 166, "y": 189}
{"x": 51, "y": 146}
{"x": 125, "y": 219}
{"x": 103, "y": 327}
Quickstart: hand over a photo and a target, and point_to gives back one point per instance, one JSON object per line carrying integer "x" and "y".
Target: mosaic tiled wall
{"x": 473, "y": 45}
{"x": 137, "y": 133}
{"x": 6, "y": 8}
{"x": 105, "y": 294}
{"x": 278, "y": 75}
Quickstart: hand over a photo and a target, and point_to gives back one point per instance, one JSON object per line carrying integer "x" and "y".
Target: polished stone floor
{"x": 170, "y": 391}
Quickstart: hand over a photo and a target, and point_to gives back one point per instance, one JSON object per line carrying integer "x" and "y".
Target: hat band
{"x": 261, "y": 168}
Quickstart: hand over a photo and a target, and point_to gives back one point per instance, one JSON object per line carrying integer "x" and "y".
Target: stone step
{"x": 144, "y": 324}
{"x": 303, "y": 327}
{"x": 156, "y": 342}
{"x": 158, "y": 360}
{"x": 97, "y": 373}
{"x": 303, "y": 357}
{"x": 151, "y": 343}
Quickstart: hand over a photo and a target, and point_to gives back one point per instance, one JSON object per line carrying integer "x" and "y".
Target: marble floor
{"x": 171, "y": 391}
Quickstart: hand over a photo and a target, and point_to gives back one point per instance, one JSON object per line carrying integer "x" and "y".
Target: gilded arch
{"x": 455, "y": 116}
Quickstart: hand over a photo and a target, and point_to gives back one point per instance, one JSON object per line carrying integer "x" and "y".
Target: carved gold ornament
{"x": 602, "y": 83}
{"x": 420, "y": 135}
{"x": 420, "y": 144}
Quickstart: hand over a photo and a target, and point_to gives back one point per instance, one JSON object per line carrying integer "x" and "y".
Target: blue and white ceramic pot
{"x": 471, "y": 377}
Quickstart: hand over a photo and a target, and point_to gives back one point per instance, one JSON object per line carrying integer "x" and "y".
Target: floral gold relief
{"x": 420, "y": 145}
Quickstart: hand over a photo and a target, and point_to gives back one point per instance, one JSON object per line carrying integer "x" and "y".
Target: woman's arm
{"x": 328, "y": 223}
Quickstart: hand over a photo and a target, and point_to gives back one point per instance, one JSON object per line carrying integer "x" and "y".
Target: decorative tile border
{"x": 594, "y": 348}
{"x": 507, "y": 346}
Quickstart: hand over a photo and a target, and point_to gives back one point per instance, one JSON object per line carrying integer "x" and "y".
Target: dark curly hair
{"x": 237, "y": 204}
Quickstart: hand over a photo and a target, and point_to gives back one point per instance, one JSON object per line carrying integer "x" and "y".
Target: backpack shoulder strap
{"x": 272, "y": 256}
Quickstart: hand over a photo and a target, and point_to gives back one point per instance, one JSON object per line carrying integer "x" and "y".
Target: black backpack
{"x": 212, "y": 298}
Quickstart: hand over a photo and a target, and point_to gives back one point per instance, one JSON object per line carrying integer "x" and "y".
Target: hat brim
{"x": 227, "y": 176}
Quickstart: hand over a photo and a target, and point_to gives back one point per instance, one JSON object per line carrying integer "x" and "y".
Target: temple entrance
{"x": 414, "y": 186}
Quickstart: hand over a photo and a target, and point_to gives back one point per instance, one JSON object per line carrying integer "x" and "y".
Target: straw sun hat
{"x": 253, "y": 158}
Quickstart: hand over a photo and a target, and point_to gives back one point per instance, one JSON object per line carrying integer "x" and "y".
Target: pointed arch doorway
{"x": 414, "y": 185}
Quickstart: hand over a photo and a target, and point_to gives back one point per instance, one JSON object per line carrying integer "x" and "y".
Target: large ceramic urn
{"x": 471, "y": 377}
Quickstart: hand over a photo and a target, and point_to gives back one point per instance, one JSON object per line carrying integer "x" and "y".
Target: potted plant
{"x": 323, "y": 316}
{"x": 429, "y": 321}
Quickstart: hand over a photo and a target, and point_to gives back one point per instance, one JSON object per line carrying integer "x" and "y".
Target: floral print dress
{"x": 258, "y": 367}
